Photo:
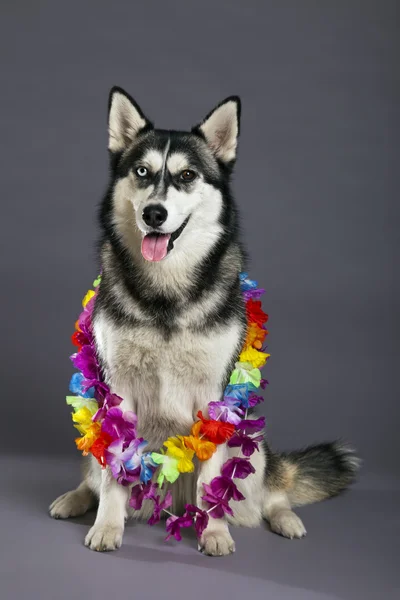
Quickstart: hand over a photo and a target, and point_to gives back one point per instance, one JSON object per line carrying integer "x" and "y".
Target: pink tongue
{"x": 154, "y": 246}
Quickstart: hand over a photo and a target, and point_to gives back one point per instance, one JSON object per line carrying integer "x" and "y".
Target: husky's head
{"x": 169, "y": 194}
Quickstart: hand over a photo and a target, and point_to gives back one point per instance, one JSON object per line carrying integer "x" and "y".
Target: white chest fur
{"x": 165, "y": 381}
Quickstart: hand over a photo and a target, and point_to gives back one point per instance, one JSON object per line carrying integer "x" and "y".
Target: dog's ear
{"x": 221, "y": 128}
{"x": 125, "y": 120}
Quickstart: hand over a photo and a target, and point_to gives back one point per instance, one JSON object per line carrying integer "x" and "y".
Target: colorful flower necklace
{"x": 110, "y": 434}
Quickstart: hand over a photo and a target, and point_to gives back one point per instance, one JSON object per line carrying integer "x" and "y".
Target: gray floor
{"x": 350, "y": 552}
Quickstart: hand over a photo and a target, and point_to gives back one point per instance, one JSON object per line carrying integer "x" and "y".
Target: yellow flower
{"x": 82, "y": 419}
{"x": 89, "y": 295}
{"x": 85, "y": 442}
{"x": 176, "y": 449}
{"x": 254, "y": 357}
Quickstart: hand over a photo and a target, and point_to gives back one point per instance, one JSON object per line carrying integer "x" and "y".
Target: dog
{"x": 169, "y": 323}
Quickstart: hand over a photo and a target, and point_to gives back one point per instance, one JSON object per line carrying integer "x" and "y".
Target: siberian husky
{"x": 169, "y": 323}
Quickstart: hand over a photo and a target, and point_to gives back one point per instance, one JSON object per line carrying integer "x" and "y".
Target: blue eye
{"x": 142, "y": 172}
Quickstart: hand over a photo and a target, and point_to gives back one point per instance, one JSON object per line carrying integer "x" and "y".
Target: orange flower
{"x": 85, "y": 442}
{"x": 203, "y": 448}
{"x": 255, "y": 336}
{"x": 195, "y": 431}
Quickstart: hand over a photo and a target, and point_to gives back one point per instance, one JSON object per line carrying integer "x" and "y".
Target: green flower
{"x": 245, "y": 373}
{"x": 169, "y": 467}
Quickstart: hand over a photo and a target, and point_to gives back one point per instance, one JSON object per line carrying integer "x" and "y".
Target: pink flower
{"x": 219, "y": 505}
{"x": 224, "y": 487}
{"x": 237, "y": 467}
{"x": 174, "y": 525}
{"x": 252, "y": 425}
{"x": 159, "y": 507}
{"x": 141, "y": 492}
{"x": 246, "y": 443}
{"x": 201, "y": 518}
{"x": 120, "y": 424}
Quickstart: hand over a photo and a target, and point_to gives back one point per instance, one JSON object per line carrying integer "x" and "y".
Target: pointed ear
{"x": 125, "y": 120}
{"x": 221, "y": 127}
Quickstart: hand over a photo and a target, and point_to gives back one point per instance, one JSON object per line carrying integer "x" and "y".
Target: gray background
{"x": 316, "y": 182}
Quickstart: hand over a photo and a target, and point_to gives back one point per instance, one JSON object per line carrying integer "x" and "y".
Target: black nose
{"x": 154, "y": 215}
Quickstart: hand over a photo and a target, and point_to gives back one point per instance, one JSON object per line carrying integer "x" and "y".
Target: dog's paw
{"x": 104, "y": 537}
{"x": 287, "y": 523}
{"x": 216, "y": 543}
{"x": 71, "y": 504}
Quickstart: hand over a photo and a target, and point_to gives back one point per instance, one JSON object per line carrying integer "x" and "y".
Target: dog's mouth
{"x": 156, "y": 246}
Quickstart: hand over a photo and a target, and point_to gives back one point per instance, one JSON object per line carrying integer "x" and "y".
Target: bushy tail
{"x": 313, "y": 474}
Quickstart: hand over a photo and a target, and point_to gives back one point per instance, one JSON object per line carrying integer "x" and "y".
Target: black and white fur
{"x": 169, "y": 332}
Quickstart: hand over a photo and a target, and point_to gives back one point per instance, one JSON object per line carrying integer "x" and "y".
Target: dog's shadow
{"x": 259, "y": 554}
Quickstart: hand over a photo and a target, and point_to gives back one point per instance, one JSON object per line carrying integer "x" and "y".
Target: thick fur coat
{"x": 169, "y": 323}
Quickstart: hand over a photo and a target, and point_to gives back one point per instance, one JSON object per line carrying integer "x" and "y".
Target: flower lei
{"x": 110, "y": 434}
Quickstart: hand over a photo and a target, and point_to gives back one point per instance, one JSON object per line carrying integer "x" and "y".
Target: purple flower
{"x": 120, "y": 424}
{"x": 109, "y": 401}
{"x": 252, "y": 425}
{"x": 101, "y": 390}
{"x": 237, "y": 467}
{"x": 201, "y": 518}
{"x": 85, "y": 319}
{"x": 159, "y": 507}
{"x": 116, "y": 456}
{"x": 86, "y": 361}
{"x": 226, "y": 410}
{"x": 219, "y": 505}
{"x": 253, "y": 294}
{"x": 174, "y": 525}
{"x": 224, "y": 487}
{"x": 247, "y": 444}
{"x": 264, "y": 383}
{"x": 140, "y": 492}
{"x": 253, "y": 400}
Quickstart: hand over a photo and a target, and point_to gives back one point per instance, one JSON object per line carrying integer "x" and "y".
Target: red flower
{"x": 215, "y": 431}
{"x": 254, "y": 312}
{"x": 79, "y": 339}
{"x": 100, "y": 446}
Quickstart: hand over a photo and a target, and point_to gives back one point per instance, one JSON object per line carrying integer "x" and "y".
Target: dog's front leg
{"x": 108, "y": 529}
{"x": 216, "y": 539}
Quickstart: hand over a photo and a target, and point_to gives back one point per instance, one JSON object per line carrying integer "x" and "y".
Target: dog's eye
{"x": 188, "y": 175}
{"x": 142, "y": 172}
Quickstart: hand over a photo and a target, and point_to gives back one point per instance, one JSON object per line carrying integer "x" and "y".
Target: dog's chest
{"x": 165, "y": 381}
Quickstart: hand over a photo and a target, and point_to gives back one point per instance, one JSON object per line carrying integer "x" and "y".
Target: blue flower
{"x": 247, "y": 284}
{"x": 76, "y": 386}
{"x": 148, "y": 467}
{"x": 240, "y": 391}
{"x": 143, "y": 461}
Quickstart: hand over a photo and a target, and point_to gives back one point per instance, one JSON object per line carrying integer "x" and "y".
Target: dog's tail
{"x": 313, "y": 474}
